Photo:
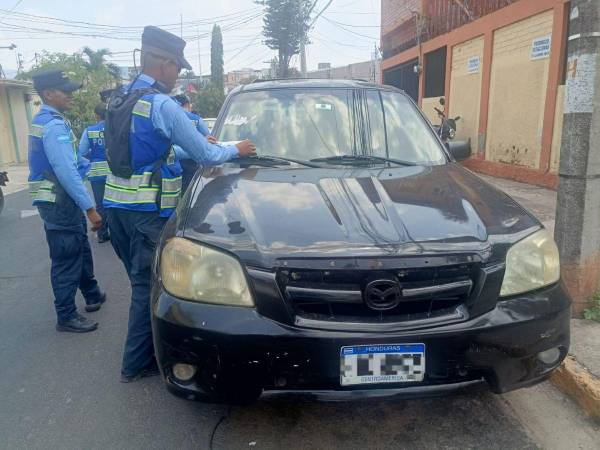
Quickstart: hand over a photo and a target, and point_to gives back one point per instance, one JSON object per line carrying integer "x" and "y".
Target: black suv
{"x": 353, "y": 254}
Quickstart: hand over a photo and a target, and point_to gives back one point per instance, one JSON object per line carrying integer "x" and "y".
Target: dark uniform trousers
{"x": 98, "y": 190}
{"x": 70, "y": 254}
{"x": 134, "y": 236}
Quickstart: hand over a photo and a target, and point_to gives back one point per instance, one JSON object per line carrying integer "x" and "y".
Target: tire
{"x": 1, "y": 200}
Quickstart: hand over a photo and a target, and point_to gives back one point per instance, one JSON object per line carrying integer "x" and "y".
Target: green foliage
{"x": 208, "y": 101}
{"x": 216, "y": 57}
{"x": 593, "y": 312}
{"x": 88, "y": 67}
{"x": 286, "y": 24}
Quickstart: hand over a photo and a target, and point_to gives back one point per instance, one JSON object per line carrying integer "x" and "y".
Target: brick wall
{"x": 395, "y": 12}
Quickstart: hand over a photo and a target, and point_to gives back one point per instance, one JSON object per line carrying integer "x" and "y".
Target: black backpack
{"x": 116, "y": 129}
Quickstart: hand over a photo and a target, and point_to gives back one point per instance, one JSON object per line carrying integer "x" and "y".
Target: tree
{"x": 286, "y": 24}
{"x": 216, "y": 57}
{"x": 94, "y": 75}
{"x": 96, "y": 61}
{"x": 208, "y": 101}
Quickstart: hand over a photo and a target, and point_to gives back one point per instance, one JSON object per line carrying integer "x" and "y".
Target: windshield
{"x": 323, "y": 123}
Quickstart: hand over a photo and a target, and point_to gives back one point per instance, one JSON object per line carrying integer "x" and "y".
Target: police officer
{"x": 143, "y": 126}
{"x": 91, "y": 146}
{"x": 183, "y": 101}
{"x": 189, "y": 166}
{"x": 56, "y": 175}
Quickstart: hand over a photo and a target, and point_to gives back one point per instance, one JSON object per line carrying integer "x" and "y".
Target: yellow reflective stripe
{"x": 36, "y": 130}
{"x": 168, "y": 201}
{"x": 120, "y": 196}
{"x": 93, "y": 134}
{"x": 130, "y": 191}
{"x": 131, "y": 183}
{"x": 142, "y": 108}
{"x": 99, "y": 168}
{"x": 171, "y": 184}
{"x": 42, "y": 190}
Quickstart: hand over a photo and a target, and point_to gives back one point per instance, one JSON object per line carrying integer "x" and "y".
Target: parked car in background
{"x": 354, "y": 255}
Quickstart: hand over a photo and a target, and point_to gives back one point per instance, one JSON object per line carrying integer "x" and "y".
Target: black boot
{"x": 78, "y": 324}
{"x": 93, "y": 307}
{"x": 151, "y": 370}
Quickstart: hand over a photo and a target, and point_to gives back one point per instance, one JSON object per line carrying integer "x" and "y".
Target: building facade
{"x": 366, "y": 70}
{"x": 501, "y": 66}
{"x": 18, "y": 104}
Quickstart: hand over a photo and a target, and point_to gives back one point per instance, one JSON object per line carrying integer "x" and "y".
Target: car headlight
{"x": 531, "y": 264}
{"x": 196, "y": 272}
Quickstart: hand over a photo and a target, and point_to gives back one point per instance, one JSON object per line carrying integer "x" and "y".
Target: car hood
{"x": 268, "y": 215}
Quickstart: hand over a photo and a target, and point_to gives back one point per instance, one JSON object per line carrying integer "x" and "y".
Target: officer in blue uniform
{"x": 56, "y": 183}
{"x": 91, "y": 146}
{"x": 183, "y": 101}
{"x": 189, "y": 166}
{"x": 146, "y": 132}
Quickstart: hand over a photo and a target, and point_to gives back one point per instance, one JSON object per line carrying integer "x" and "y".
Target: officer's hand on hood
{"x": 246, "y": 148}
{"x": 210, "y": 138}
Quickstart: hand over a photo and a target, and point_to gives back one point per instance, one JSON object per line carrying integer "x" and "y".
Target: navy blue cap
{"x": 54, "y": 79}
{"x": 164, "y": 44}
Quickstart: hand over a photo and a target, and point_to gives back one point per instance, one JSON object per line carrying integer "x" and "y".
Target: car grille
{"x": 339, "y": 295}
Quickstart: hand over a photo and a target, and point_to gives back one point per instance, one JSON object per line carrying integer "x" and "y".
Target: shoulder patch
{"x": 36, "y": 131}
{"x": 142, "y": 108}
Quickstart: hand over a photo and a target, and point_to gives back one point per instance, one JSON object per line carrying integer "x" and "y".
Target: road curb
{"x": 577, "y": 382}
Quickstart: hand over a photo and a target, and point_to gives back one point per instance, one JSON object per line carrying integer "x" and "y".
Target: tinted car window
{"x": 408, "y": 137}
{"x": 291, "y": 123}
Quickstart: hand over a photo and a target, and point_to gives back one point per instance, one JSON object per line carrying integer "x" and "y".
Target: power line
{"x": 342, "y": 27}
{"x": 9, "y": 12}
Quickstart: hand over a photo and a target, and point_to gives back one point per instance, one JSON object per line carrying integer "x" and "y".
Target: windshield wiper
{"x": 279, "y": 159}
{"x": 362, "y": 158}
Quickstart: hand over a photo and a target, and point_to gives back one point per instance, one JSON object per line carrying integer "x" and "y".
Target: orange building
{"x": 500, "y": 64}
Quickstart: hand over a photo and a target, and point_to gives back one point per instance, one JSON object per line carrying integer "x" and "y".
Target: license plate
{"x": 385, "y": 363}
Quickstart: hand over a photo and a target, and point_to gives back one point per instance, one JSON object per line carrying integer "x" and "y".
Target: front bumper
{"x": 240, "y": 353}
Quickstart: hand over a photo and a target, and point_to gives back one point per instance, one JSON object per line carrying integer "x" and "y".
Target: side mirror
{"x": 442, "y": 101}
{"x": 457, "y": 118}
{"x": 460, "y": 150}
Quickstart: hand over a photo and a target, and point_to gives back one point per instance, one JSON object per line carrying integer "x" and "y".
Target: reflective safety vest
{"x": 99, "y": 170}
{"x": 156, "y": 181}
{"x": 42, "y": 187}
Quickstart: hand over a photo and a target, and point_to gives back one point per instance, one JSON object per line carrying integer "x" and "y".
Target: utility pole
{"x": 19, "y": 63}
{"x": 199, "y": 56}
{"x": 303, "y": 69}
{"x": 577, "y": 229}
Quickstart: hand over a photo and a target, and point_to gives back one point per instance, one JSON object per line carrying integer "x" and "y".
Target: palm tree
{"x": 96, "y": 61}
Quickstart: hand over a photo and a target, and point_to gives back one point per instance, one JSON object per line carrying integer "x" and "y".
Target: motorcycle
{"x": 447, "y": 132}
{"x": 3, "y": 181}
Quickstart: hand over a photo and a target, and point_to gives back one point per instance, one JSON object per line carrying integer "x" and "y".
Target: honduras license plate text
{"x": 382, "y": 363}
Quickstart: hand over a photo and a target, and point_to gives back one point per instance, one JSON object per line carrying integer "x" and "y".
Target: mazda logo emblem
{"x": 382, "y": 295}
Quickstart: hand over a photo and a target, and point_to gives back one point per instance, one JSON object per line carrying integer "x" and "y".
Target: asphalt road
{"x": 62, "y": 391}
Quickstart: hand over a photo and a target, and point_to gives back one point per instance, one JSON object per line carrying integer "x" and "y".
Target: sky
{"x": 346, "y": 32}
